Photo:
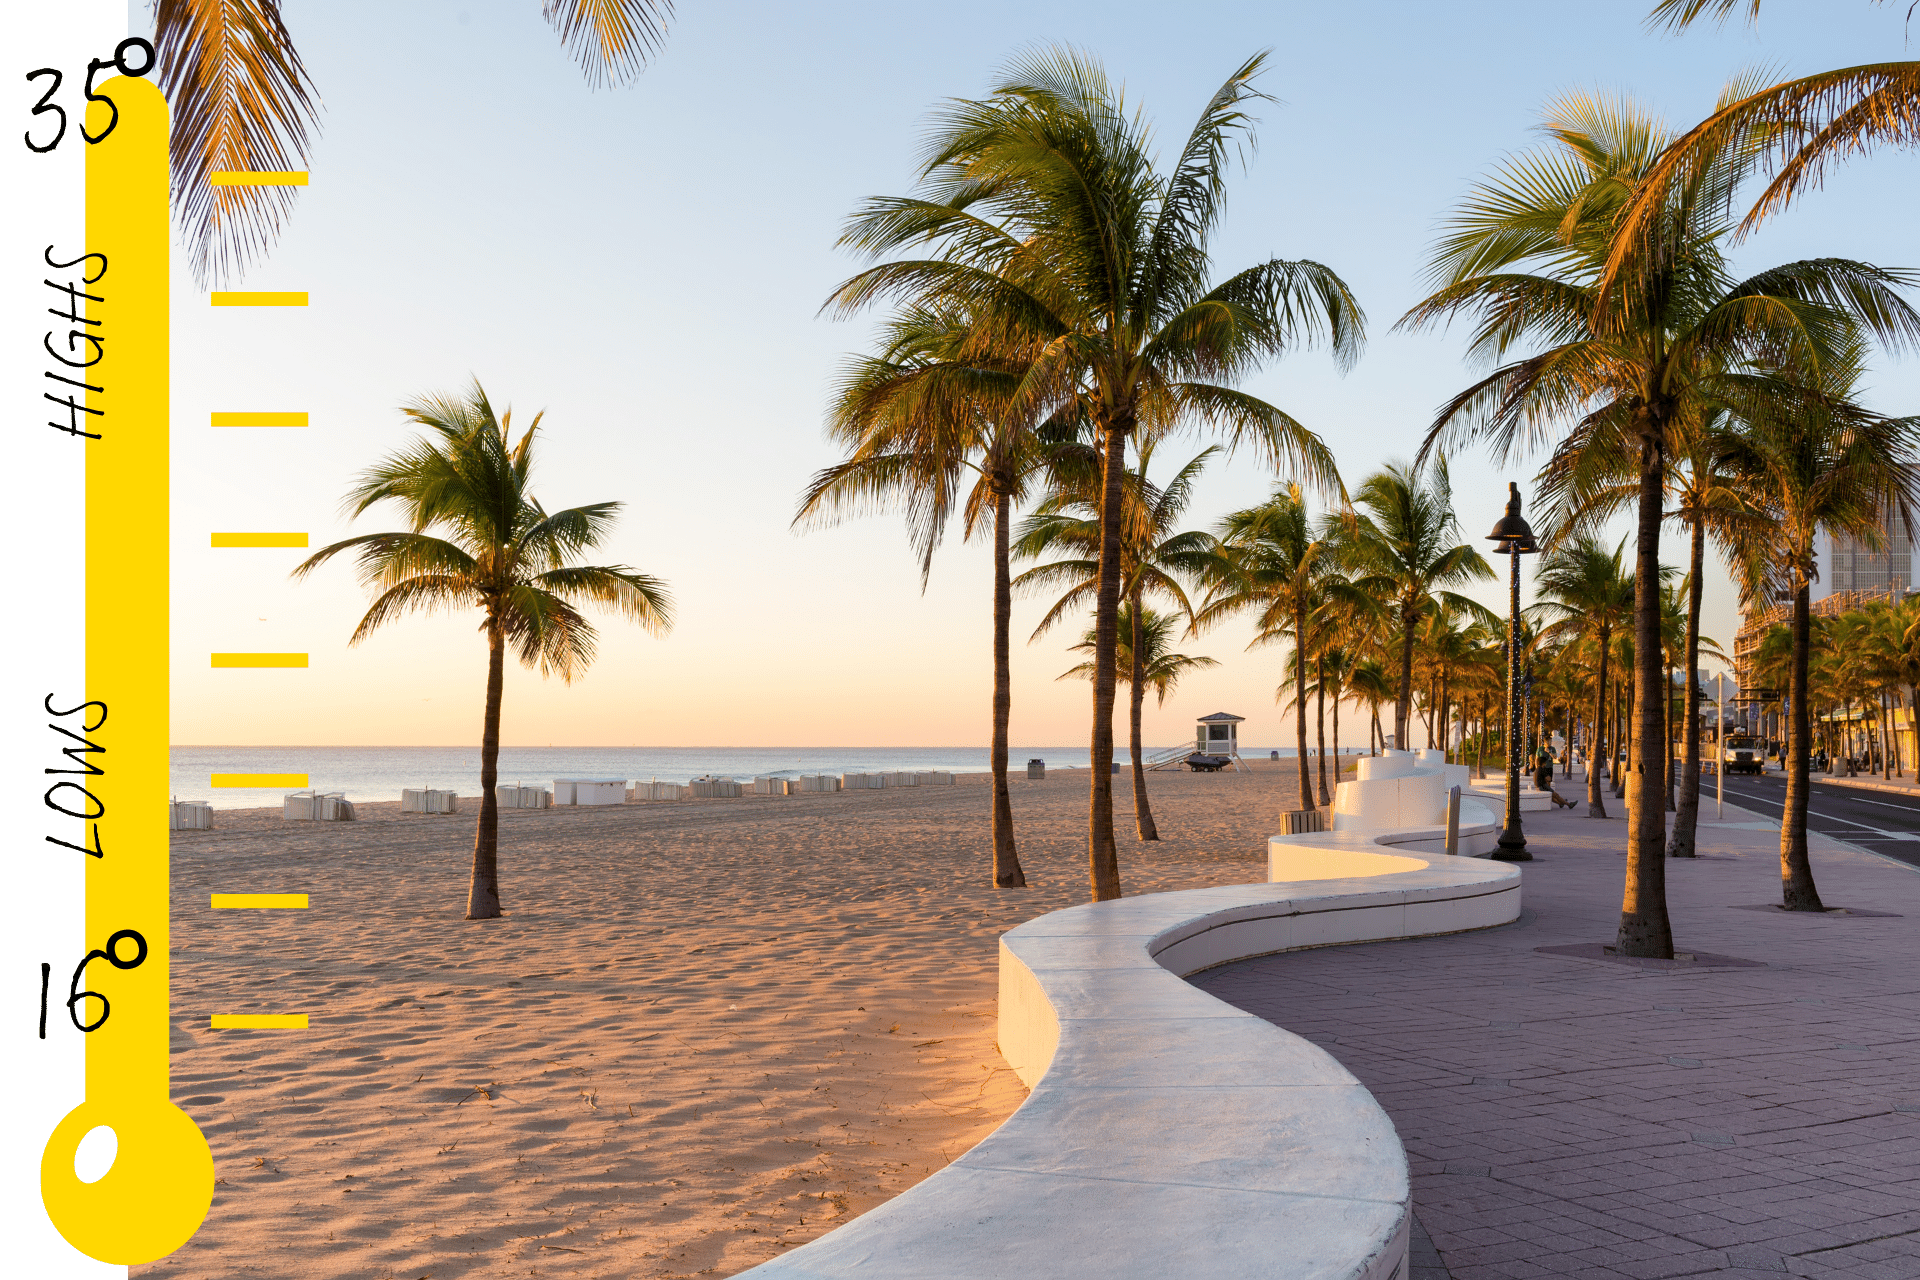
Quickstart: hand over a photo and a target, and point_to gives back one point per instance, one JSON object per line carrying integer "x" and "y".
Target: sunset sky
{"x": 646, "y": 264}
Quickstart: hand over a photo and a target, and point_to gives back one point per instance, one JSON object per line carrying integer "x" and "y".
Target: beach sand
{"x": 706, "y": 1031}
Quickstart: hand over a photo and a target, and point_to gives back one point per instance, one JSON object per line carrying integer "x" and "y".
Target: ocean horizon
{"x": 367, "y": 774}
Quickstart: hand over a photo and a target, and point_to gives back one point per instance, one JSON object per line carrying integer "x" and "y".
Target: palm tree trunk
{"x": 1320, "y": 715}
{"x": 1136, "y": 696}
{"x": 1622, "y": 743}
{"x": 1403, "y": 706}
{"x": 1670, "y": 778}
{"x": 1480, "y": 739}
{"x": 483, "y": 887}
{"x": 1645, "y": 930}
{"x": 1596, "y": 798}
{"x": 1687, "y": 816}
{"x": 1300, "y": 704}
{"x": 1103, "y": 856}
{"x": 1336, "y": 739}
{"x": 1007, "y": 872}
{"x": 1797, "y": 890}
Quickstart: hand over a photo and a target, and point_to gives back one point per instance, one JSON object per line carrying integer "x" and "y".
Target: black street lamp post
{"x": 1513, "y": 538}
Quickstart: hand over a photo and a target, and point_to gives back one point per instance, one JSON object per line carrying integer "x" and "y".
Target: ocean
{"x": 379, "y": 773}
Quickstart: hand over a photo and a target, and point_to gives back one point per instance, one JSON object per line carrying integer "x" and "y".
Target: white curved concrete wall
{"x": 1169, "y": 1134}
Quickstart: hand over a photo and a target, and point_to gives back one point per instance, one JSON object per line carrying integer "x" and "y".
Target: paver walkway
{"x": 1584, "y": 1118}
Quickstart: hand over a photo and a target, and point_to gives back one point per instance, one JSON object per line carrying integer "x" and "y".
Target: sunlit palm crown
{"x": 930, "y": 427}
{"x": 477, "y": 538}
{"x": 1160, "y": 667}
{"x": 241, "y": 99}
{"x": 1806, "y": 125}
{"x": 1673, "y": 339}
{"x": 1074, "y": 258}
{"x": 1156, "y": 554}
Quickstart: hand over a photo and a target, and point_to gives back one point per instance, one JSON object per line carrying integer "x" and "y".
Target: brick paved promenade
{"x": 1584, "y": 1118}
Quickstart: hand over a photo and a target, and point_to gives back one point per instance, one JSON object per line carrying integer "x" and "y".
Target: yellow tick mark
{"x": 259, "y": 539}
{"x": 259, "y": 419}
{"x": 260, "y": 299}
{"x": 240, "y": 901}
{"x": 261, "y": 1021}
{"x": 259, "y": 178}
{"x": 298, "y": 781}
{"x": 259, "y": 659}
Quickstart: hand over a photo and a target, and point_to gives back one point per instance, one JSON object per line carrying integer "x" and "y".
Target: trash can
{"x": 1036, "y": 770}
{"x": 1273, "y": 755}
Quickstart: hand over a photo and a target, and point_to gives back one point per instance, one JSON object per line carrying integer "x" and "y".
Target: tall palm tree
{"x": 241, "y": 99}
{"x": 1401, "y": 545}
{"x": 929, "y": 427}
{"x": 477, "y": 538}
{"x": 1822, "y": 463}
{"x": 1671, "y": 339}
{"x": 1586, "y": 595}
{"x": 1154, "y": 557}
{"x": 1274, "y": 563}
{"x": 1594, "y": 477}
{"x": 1048, "y": 220}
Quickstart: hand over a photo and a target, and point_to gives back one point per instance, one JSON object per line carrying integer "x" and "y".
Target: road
{"x": 1884, "y": 822}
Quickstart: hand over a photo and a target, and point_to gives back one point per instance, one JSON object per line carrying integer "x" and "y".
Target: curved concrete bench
{"x": 1319, "y": 855}
{"x": 1169, "y": 1134}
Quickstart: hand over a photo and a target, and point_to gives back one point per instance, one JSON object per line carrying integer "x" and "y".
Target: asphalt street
{"x": 1885, "y": 822}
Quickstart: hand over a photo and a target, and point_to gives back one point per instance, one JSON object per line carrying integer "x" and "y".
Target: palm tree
{"x": 1803, "y": 126}
{"x": 1586, "y": 595}
{"x": 1153, "y": 663}
{"x": 1154, "y": 558}
{"x": 1274, "y": 563}
{"x": 1588, "y": 482}
{"x": 928, "y": 427}
{"x": 1402, "y": 548}
{"x": 1672, "y": 338}
{"x": 1048, "y": 221}
{"x": 242, "y": 100}
{"x": 1373, "y": 687}
{"x": 1823, "y": 463}
{"x": 476, "y": 537}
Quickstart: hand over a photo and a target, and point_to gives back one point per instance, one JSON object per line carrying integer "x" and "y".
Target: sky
{"x": 647, "y": 264}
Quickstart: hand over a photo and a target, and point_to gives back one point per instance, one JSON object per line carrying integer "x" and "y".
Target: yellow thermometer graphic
{"x": 158, "y": 1189}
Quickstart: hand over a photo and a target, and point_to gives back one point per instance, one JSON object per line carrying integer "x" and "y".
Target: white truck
{"x": 1741, "y": 753}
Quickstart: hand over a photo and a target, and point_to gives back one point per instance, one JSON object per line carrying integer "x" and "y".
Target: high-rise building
{"x": 1852, "y": 566}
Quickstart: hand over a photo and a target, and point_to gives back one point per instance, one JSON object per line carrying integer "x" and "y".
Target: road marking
{"x": 259, "y": 419}
{"x": 1905, "y": 808}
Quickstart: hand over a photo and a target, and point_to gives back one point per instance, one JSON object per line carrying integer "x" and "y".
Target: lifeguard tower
{"x": 1219, "y": 735}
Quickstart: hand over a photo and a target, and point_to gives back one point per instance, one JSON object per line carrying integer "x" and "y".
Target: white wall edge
{"x": 1169, "y": 1133}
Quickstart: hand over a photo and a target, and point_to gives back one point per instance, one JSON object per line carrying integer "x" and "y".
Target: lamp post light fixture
{"x": 1513, "y": 537}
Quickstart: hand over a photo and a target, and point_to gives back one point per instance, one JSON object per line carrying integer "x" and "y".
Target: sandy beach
{"x": 707, "y": 1031}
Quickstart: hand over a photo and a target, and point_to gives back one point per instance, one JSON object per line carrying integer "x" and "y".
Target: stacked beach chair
{"x": 316, "y": 806}
{"x": 657, "y": 790}
{"x": 519, "y": 797}
{"x": 427, "y": 800}
{"x": 589, "y": 791}
{"x": 817, "y": 782}
{"x": 189, "y": 815}
{"x": 714, "y": 788}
